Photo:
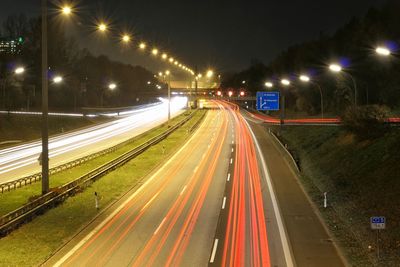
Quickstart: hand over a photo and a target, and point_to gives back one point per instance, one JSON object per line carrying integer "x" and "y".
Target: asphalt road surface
{"x": 310, "y": 242}
{"x": 209, "y": 204}
{"x": 22, "y": 160}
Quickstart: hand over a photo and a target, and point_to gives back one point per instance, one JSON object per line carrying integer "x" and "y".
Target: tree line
{"x": 377, "y": 78}
{"x": 85, "y": 77}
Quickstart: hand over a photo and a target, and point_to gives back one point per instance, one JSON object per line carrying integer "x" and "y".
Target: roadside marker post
{"x": 378, "y": 223}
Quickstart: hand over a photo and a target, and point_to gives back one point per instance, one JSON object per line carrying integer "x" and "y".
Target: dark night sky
{"x": 223, "y": 34}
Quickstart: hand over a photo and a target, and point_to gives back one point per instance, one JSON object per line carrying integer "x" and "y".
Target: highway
{"x": 206, "y": 205}
{"x": 22, "y": 160}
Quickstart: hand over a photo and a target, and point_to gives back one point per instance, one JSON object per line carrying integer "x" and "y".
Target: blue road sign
{"x": 267, "y": 100}
{"x": 378, "y": 222}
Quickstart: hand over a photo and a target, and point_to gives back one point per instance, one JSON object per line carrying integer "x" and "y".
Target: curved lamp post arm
{"x": 322, "y": 98}
{"x": 354, "y": 85}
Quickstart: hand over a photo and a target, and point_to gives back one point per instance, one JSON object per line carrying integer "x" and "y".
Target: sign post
{"x": 378, "y": 223}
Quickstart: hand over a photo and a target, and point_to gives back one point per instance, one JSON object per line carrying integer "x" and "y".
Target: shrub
{"x": 366, "y": 122}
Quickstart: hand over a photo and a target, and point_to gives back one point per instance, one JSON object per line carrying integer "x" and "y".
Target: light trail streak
{"x": 96, "y": 137}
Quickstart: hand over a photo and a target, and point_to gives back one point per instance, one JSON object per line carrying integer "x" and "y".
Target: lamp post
{"x": 167, "y": 74}
{"x": 306, "y": 79}
{"x": 44, "y": 156}
{"x": 17, "y": 71}
{"x": 45, "y": 133}
{"x": 168, "y": 81}
{"x": 336, "y": 68}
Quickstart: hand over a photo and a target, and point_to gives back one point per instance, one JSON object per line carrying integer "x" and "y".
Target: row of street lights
{"x": 335, "y": 68}
{"x": 126, "y": 38}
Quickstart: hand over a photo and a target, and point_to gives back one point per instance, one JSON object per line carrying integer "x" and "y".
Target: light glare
{"x": 383, "y": 51}
{"x": 304, "y": 78}
{"x": 285, "y": 82}
{"x": 335, "y": 68}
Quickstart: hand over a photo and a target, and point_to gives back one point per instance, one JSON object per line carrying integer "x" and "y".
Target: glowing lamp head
{"x": 66, "y": 10}
{"x": 154, "y": 51}
{"x": 230, "y": 93}
{"x": 241, "y": 93}
{"x": 142, "y": 46}
{"x": 210, "y": 73}
{"x": 269, "y": 84}
{"x": 335, "y": 67}
{"x": 285, "y": 82}
{"x": 112, "y": 86}
{"x": 19, "y": 70}
{"x": 304, "y": 78}
{"x": 164, "y": 56}
{"x": 126, "y": 38}
{"x": 167, "y": 72}
{"x": 102, "y": 27}
{"x": 57, "y": 79}
{"x": 219, "y": 93}
{"x": 383, "y": 51}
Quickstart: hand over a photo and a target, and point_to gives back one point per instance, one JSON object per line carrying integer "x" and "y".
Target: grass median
{"x": 34, "y": 242}
{"x": 16, "y": 198}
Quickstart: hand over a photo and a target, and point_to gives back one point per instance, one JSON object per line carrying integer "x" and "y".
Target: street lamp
{"x": 306, "y": 79}
{"x": 102, "y": 27}
{"x": 165, "y": 75}
{"x": 126, "y": 38}
{"x": 112, "y": 86}
{"x": 336, "y": 68}
{"x": 154, "y": 51}
{"x": 57, "y": 79}
{"x": 285, "y": 82}
{"x": 164, "y": 56}
{"x": 269, "y": 84}
{"x": 142, "y": 46}
{"x": 210, "y": 73}
{"x": 19, "y": 70}
{"x": 66, "y": 10}
{"x": 383, "y": 51}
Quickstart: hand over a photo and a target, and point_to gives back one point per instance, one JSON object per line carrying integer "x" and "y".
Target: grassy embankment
{"x": 32, "y": 243}
{"x": 362, "y": 180}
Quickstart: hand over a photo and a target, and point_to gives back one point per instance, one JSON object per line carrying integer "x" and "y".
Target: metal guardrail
{"x": 8, "y": 186}
{"x": 194, "y": 126}
{"x": 25, "y": 213}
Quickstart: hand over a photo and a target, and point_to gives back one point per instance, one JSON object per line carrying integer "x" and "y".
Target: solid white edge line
{"x": 214, "y": 251}
{"x": 231, "y": 160}
{"x": 229, "y": 177}
{"x": 95, "y": 230}
{"x": 223, "y": 203}
{"x": 281, "y": 228}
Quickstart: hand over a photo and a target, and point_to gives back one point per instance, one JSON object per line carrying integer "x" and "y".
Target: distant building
{"x": 10, "y": 45}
